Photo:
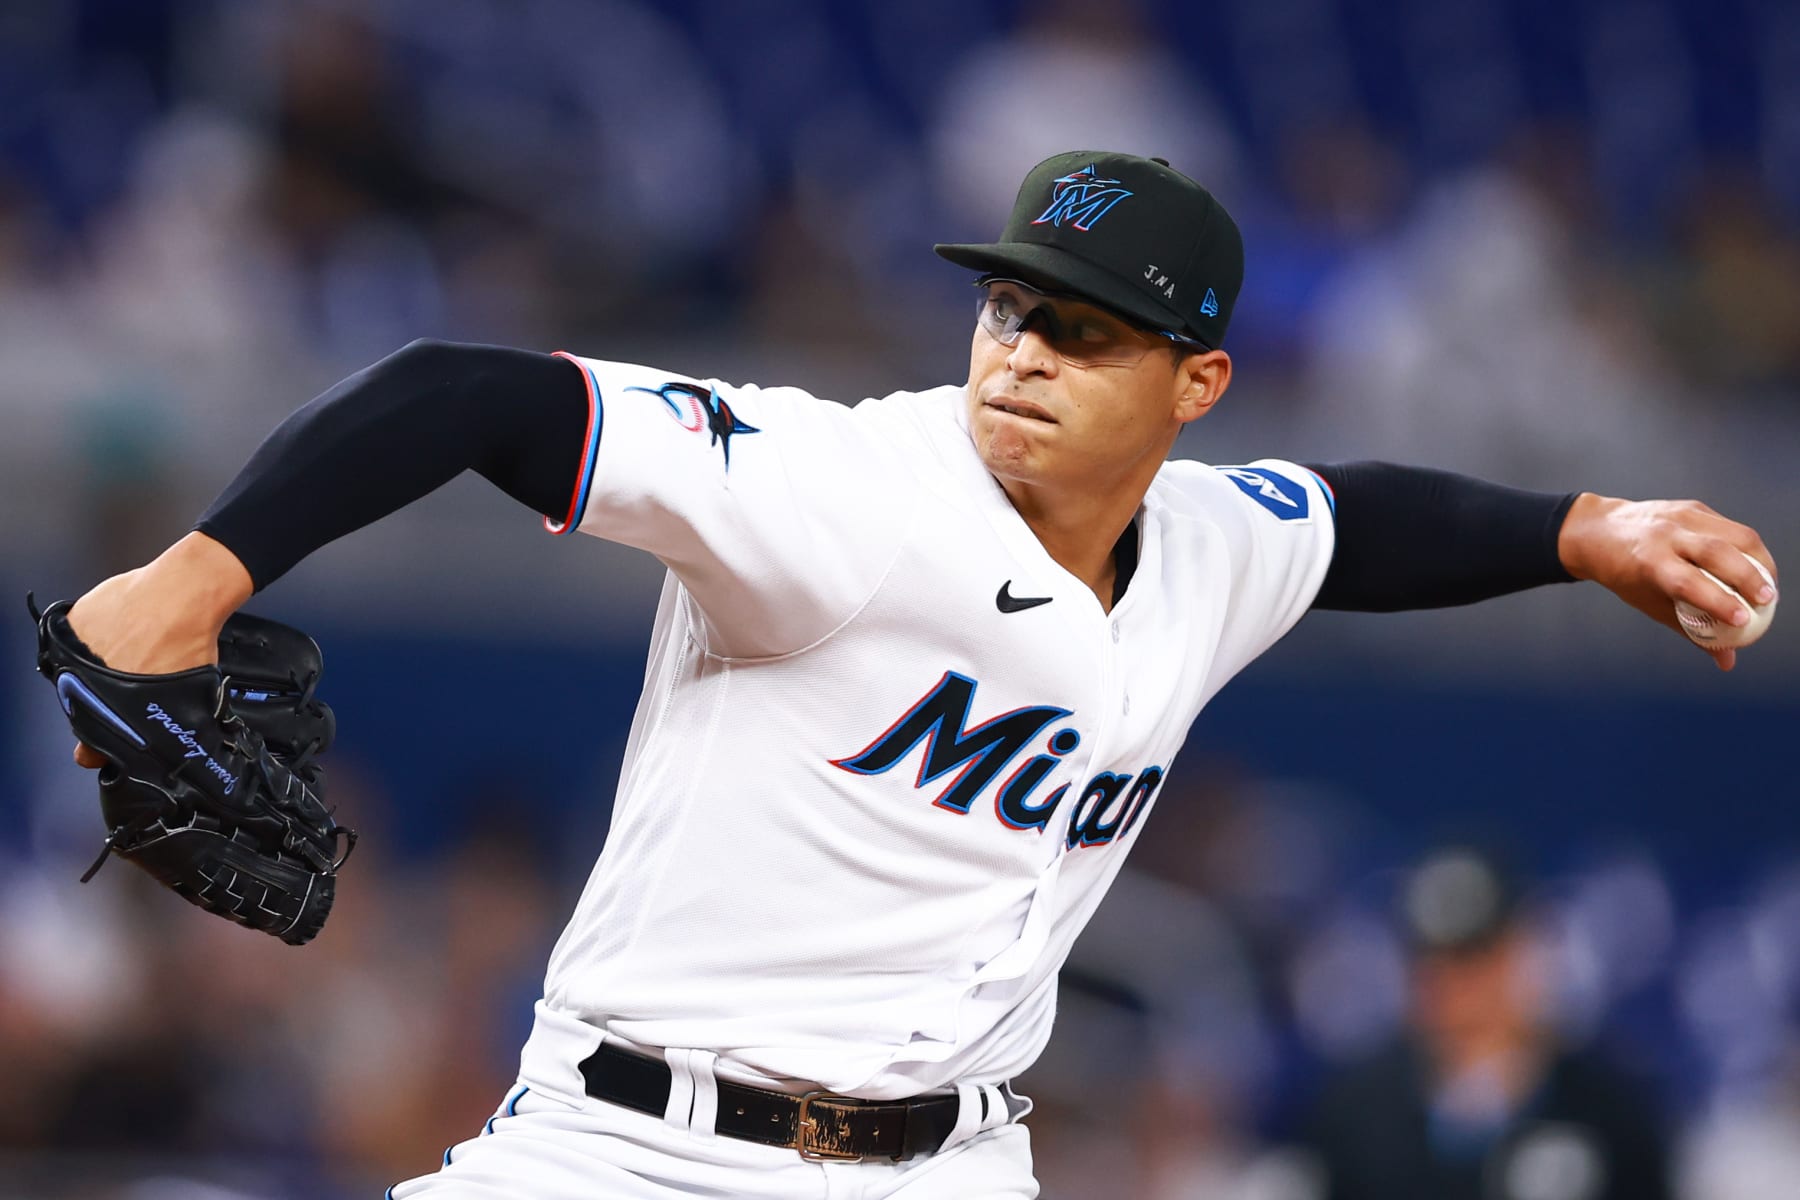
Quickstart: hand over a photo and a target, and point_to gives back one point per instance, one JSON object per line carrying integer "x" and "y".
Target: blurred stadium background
{"x": 1553, "y": 242}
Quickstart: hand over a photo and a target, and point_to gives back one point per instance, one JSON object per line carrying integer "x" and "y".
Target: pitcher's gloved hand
{"x": 210, "y": 783}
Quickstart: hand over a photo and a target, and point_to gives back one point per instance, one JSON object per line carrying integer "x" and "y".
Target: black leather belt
{"x": 821, "y": 1126}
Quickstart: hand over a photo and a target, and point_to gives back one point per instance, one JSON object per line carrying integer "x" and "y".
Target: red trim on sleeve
{"x": 587, "y": 442}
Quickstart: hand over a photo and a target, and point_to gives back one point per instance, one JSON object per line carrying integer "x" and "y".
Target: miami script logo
{"x": 1104, "y": 810}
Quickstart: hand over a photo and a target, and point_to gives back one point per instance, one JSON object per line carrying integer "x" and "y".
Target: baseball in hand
{"x": 1705, "y": 632}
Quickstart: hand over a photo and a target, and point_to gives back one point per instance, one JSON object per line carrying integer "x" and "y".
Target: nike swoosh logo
{"x": 1006, "y": 602}
{"x": 69, "y": 689}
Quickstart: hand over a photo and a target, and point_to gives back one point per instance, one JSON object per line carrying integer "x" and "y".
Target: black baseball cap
{"x": 1460, "y": 898}
{"x": 1131, "y": 234}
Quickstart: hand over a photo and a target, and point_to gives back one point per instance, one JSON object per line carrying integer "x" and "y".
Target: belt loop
{"x": 968, "y": 1116}
{"x": 680, "y": 1109}
{"x": 706, "y": 1093}
{"x": 994, "y": 1112}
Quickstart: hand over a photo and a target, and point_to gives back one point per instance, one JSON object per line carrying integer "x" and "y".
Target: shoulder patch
{"x": 698, "y": 408}
{"x": 1286, "y": 498}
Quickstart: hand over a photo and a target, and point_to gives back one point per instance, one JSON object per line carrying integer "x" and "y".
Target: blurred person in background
{"x": 1728, "y": 305}
{"x": 1490, "y": 331}
{"x": 1478, "y": 1099}
{"x": 1074, "y": 73}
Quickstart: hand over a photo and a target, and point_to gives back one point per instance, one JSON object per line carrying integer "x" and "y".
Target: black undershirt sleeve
{"x": 395, "y": 432}
{"x": 1411, "y": 537}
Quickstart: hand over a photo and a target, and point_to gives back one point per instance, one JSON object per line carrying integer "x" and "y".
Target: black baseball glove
{"x": 211, "y": 784}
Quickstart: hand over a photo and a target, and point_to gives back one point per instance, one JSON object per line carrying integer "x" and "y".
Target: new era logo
{"x": 1210, "y": 305}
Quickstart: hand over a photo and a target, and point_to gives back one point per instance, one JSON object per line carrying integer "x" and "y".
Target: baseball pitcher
{"x": 919, "y": 671}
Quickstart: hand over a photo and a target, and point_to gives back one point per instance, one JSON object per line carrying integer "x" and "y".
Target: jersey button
{"x": 1115, "y": 631}
{"x": 1127, "y": 706}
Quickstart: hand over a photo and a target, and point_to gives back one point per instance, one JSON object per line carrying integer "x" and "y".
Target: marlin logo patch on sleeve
{"x": 696, "y": 408}
{"x": 1284, "y": 497}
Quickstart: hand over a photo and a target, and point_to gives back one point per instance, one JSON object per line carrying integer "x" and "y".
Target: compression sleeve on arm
{"x": 1411, "y": 537}
{"x": 396, "y": 431}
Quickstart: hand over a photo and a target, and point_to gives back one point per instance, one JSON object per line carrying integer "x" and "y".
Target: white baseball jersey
{"x": 889, "y": 754}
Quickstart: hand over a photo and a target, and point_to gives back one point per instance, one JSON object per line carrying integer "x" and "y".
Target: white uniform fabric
{"x": 865, "y": 809}
{"x": 781, "y": 885}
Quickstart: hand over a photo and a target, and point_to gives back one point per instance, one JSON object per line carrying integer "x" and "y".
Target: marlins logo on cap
{"x": 1082, "y": 198}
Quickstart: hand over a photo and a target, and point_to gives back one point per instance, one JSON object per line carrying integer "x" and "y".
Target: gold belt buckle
{"x": 812, "y": 1140}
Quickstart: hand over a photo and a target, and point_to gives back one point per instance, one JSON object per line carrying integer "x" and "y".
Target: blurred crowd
{"x": 1551, "y": 242}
